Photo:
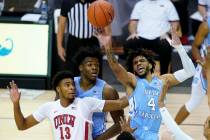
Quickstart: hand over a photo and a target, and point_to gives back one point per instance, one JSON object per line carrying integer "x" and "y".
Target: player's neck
{"x": 66, "y": 102}
{"x": 86, "y": 84}
{"x": 149, "y": 77}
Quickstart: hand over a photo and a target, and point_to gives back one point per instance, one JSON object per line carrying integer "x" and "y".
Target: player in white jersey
{"x": 70, "y": 117}
{"x": 199, "y": 83}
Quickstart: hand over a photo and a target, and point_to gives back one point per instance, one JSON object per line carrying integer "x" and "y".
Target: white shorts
{"x": 198, "y": 90}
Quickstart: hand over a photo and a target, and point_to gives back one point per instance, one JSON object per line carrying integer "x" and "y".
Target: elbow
{"x": 20, "y": 128}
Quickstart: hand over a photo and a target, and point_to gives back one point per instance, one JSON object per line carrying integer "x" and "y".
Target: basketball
{"x": 100, "y": 13}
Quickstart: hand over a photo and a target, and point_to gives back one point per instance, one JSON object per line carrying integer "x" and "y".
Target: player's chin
{"x": 72, "y": 96}
{"x": 141, "y": 75}
{"x": 93, "y": 78}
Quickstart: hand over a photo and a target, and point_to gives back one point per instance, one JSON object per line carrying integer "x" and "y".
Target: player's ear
{"x": 58, "y": 89}
{"x": 80, "y": 67}
{"x": 150, "y": 66}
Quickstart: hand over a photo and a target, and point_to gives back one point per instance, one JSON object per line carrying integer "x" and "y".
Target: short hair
{"x": 84, "y": 52}
{"x": 148, "y": 54}
{"x": 125, "y": 136}
{"x": 60, "y": 76}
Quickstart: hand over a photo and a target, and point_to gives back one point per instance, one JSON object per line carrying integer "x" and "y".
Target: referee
{"x": 74, "y": 14}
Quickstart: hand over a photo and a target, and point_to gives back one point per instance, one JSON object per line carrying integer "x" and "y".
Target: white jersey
{"x": 73, "y": 122}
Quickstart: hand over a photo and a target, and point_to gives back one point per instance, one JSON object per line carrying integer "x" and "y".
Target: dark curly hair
{"x": 148, "y": 54}
{"x": 60, "y": 76}
{"x": 83, "y": 52}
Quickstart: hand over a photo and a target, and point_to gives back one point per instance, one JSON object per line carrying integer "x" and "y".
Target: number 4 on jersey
{"x": 151, "y": 103}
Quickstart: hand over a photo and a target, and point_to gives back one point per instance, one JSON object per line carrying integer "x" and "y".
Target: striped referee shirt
{"x": 76, "y": 12}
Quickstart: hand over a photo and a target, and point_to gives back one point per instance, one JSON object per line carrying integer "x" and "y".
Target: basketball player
{"x": 70, "y": 117}
{"x": 89, "y": 85}
{"x": 199, "y": 83}
{"x": 144, "y": 89}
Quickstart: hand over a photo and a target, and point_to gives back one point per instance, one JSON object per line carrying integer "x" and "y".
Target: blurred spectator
{"x": 204, "y": 11}
{"x": 150, "y": 21}
{"x": 182, "y": 9}
{"x": 18, "y": 6}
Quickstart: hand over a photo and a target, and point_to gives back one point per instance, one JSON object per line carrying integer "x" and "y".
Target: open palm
{"x": 14, "y": 93}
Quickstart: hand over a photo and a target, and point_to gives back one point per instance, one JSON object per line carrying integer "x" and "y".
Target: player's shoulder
{"x": 50, "y": 104}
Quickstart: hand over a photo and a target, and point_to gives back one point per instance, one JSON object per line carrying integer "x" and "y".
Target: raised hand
{"x": 104, "y": 39}
{"x": 14, "y": 93}
{"x": 174, "y": 41}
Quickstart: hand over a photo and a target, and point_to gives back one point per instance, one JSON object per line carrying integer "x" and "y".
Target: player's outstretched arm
{"x": 112, "y": 105}
{"x": 21, "y": 122}
{"x": 120, "y": 72}
{"x": 188, "y": 66}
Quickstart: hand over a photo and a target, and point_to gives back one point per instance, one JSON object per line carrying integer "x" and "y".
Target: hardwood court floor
{"x": 8, "y": 131}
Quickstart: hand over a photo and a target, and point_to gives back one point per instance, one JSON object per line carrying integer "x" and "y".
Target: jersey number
{"x": 67, "y": 134}
{"x": 151, "y": 103}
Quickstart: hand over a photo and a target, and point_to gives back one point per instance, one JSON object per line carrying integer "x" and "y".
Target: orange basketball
{"x": 100, "y": 13}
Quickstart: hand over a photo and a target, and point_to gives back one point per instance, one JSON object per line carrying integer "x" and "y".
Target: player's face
{"x": 67, "y": 88}
{"x": 90, "y": 68}
{"x": 141, "y": 66}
